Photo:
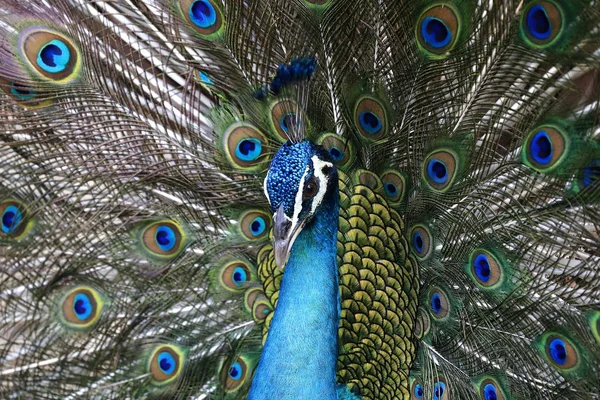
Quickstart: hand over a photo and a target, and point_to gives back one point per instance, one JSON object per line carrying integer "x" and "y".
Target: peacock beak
{"x": 284, "y": 235}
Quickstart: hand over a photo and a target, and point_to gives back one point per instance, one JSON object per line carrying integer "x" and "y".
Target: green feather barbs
{"x": 165, "y": 364}
{"x": 80, "y": 308}
{"x": 49, "y": 55}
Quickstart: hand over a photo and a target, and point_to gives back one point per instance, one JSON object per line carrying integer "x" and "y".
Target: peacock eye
{"x": 310, "y": 190}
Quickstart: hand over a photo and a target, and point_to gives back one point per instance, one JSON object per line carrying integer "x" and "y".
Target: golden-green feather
{"x": 136, "y": 241}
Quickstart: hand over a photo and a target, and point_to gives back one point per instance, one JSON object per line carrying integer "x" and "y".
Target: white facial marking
{"x": 265, "y": 188}
{"x": 298, "y": 201}
{"x": 318, "y": 166}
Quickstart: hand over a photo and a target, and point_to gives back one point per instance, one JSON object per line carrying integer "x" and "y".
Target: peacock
{"x": 300, "y": 199}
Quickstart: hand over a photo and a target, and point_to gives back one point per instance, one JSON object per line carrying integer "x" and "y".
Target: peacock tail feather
{"x": 137, "y": 254}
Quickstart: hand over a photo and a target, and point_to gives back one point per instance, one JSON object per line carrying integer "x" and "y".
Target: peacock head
{"x": 302, "y": 180}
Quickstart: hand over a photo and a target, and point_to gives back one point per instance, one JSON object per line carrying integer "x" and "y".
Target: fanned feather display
{"x": 162, "y": 161}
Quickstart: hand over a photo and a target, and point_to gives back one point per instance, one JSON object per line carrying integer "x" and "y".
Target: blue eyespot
{"x": 418, "y": 241}
{"x": 239, "y": 276}
{"x": 258, "y": 226}
{"x": 204, "y": 78}
{"x": 286, "y": 121}
{"x": 539, "y": 23}
{"x": 370, "y": 122}
{"x": 436, "y": 303}
{"x": 482, "y": 267}
{"x": 435, "y": 33}
{"x": 82, "y": 306}
{"x": 235, "y": 371}
{"x": 437, "y": 171}
{"x": 591, "y": 174}
{"x": 418, "y": 391}
{"x": 248, "y": 149}
{"x": 541, "y": 148}
{"x": 336, "y": 153}
{"x": 392, "y": 190}
{"x": 438, "y": 390}
{"x": 558, "y": 351}
{"x": 203, "y": 14}
{"x": 165, "y": 238}
{"x": 166, "y": 362}
{"x": 21, "y": 92}
{"x": 11, "y": 218}
{"x": 54, "y": 57}
{"x": 490, "y": 392}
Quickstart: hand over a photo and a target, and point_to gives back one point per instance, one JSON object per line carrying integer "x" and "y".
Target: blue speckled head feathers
{"x": 291, "y": 163}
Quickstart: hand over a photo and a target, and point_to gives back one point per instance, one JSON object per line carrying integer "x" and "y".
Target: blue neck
{"x": 300, "y": 354}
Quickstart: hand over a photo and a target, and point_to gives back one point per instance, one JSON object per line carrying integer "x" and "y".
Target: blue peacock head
{"x": 301, "y": 181}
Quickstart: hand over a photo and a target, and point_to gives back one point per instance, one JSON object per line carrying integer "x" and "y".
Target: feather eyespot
{"x": 561, "y": 352}
{"x": 236, "y": 375}
{"x": 370, "y": 118}
{"x": 485, "y": 269}
{"x": 439, "y": 169}
{"x": 81, "y": 308}
{"x": 545, "y": 147}
{"x": 244, "y": 146}
{"x": 422, "y": 324}
{"x": 166, "y": 364}
{"x": 439, "y": 304}
{"x": 23, "y": 95}
{"x": 421, "y": 241}
{"x": 489, "y": 389}
{"x": 394, "y": 185}
{"x": 340, "y": 151}
{"x": 15, "y": 222}
{"x": 283, "y": 117}
{"x": 204, "y": 16}
{"x": 590, "y": 174}
{"x": 163, "y": 239}
{"x": 438, "y": 29}
{"x": 50, "y": 54}
{"x": 254, "y": 224}
{"x": 234, "y": 275}
{"x": 261, "y": 310}
{"x": 440, "y": 390}
{"x": 542, "y": 23}
{"x": 416, "y": 390}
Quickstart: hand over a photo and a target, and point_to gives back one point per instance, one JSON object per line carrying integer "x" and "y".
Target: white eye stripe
{"x": 299, "y": 197}
{"x": 323, "y": 179}
{"x": 265, "y": 188}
